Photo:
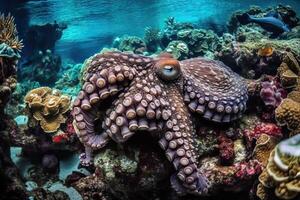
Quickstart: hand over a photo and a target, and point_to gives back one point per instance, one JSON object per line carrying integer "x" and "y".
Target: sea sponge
{"x": 47, "y": 107}
{"x": 283, "y": 171}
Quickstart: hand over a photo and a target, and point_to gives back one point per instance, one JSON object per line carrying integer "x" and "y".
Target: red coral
{"x": 226, "y": 149}
{"x": 268, "y": 128}
{"x": 262, "y": 128}
{"x": 60, "y": 138}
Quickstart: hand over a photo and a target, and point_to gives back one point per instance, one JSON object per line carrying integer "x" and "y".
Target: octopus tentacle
{"x": 105, "y": 76}
{"x": 179, "y": 147}
{"x": 213, "y": 90}
{"x": 138, "y": 109}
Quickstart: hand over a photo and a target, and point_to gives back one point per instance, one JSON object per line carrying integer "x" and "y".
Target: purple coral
{"x": 271, "y": 92}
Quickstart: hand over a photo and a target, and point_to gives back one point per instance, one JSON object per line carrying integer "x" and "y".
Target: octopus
{"x": 160, "y": 96}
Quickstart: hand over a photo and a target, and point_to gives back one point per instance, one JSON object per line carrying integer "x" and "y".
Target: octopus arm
{"x": 105, "y": 76}
{"x": 178, "y": 143}
{"x": 213, "y": 90}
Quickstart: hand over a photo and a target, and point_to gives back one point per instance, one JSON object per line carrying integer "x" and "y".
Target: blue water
{"x": 93, "y": 24}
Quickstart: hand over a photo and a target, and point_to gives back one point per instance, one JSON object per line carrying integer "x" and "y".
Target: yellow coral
{"x": 8, "y": 32}
{"x": 48, "y": 107}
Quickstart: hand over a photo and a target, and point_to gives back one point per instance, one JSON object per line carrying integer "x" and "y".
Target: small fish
{"x": 271, "y": 22}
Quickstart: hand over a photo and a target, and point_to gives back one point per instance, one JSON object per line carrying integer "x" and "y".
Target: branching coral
{"x": 282, "y": 171}
{"x": 47, "y": 107}
{"x": 9, "y": 33}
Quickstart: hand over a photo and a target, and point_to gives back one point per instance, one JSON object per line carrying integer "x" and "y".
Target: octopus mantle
{"x": 157, "y": 95}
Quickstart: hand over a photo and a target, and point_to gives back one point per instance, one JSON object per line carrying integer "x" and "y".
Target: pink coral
{"x": 246, "y": 170}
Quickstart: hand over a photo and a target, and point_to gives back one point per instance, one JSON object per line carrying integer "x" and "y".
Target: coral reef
{"x": 47, "y": 107}
{"x": 244, "y": 57}
{"x": 183, "y": 38}
{"x": 10, "y": 46}
{"x": 152, "y": 39}
{"x": 288, "y": 112}
{"x": 153, "y": 89}
{"x": 282, "y": 171}
{"x": 149, "y": 103}
{"x": 12, "y": 184}
{"x": 178, "y": 49}
{"x": 287, "y": 14}
{"x": 130, "y": 44}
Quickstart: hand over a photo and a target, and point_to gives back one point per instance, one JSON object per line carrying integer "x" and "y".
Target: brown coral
{"x": 9, "y": 33}
{"x": 47, "y": 107}
{"x": 264, "y": 145}
{"x": 288, "y": 113}
{"x": 289, "y": 71}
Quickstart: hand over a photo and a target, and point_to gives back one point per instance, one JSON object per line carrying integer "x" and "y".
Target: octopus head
{"x": 167, "y": 68}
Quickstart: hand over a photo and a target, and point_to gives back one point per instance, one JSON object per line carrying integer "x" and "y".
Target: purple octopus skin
{"x": 157, "y": 95}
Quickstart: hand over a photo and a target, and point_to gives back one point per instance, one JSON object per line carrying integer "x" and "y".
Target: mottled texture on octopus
{"x": 157, "y": 95}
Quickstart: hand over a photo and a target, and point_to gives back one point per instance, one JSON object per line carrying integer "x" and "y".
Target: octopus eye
{"x": 168, "y": 69}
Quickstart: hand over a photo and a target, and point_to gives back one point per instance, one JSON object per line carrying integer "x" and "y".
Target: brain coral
{"x": 47, "y": 107}
{"x": 288, "y": 113}
{"x": 282, "y": 171}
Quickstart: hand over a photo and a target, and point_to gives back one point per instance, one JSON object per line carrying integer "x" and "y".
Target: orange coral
{"x": 266, "y": 51}
{"x": 48, "y": 107}
{"x": 9, "y": 33}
